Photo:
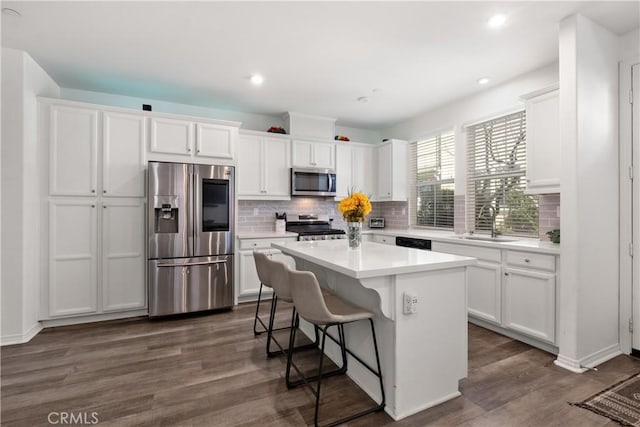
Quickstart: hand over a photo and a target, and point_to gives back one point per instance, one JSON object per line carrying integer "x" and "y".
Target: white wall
{"x": 359, "y": 135}
{"x": 22, "y": 81}
{"x": 491, "y": 102}
{"x": 588, "y": 329}
{"x": 630, "y": 45}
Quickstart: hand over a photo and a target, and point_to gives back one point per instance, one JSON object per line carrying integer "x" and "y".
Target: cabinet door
{"x": 123, "y": 260}
{"x": 215, "y": 141}
{"x": 250, "y": 167}
{"x": 543, "y": 144}
{"x": 72, "y": 257}
{"x": 388, "y": 240}
{"x": 344, "y": 171}
{"x": 529, "y": 303}
{"x": 302, "y": 154}
{"x": 123, "y": 146}
{"x": 73, "y": 151}
{"x": 171, "y": 136}
{"x": 384, "y": 172}
{"x": 363, "y": 177}
{"x": 324, "y": 155}
{"x": 249, "y": 284}
{"x": 276, "y": 166}
{"x": 484, "y": 296}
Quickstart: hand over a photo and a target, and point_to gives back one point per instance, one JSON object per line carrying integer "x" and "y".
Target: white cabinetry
{"x": 530, "y": 295}
{"x": 73, "y": 156}
{"x": 73, "y": 279}
{"x": 263, "y": 168}
{"x": 513, "y": 290}
{"x": 123, "y": 261}
{"x": 96, "y": 232}
{"x": 484, "y": 289}
{"x": 309, "y": 154}
{"x": 392, "y": 171}
{"x": 543, "y": 141}
{"x": 387, "y": 240}
{"x": 248, "y": 284}
{"x": 123, "y": 142}
{"x": 171, "y": 139}
{"x": 354, "y": 169}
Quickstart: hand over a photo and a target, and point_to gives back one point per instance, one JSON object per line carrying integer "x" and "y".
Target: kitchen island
{"x": 423, "y": 354}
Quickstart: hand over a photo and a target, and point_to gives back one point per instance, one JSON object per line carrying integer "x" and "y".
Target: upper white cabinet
{"x": 355, "y": 169}
{"x": 171, "y": 139}
{"x": 308, "y": 154}
{"x": 392, "y": 171}
{"x": 77, "y": 151}
{"x": 263, "y": 167}
{"x": 543, "y": 141}
{"x": 215, "y": 140}
{"x": 73, "y": 155}
{"x": 123, "y": 145}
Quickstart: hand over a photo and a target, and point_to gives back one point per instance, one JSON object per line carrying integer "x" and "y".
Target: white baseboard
{"x": 594, "y": 359}
{"x": 398, "y": 417}
{"x": 21, "y": 338}
{"x": 50, "y": 323}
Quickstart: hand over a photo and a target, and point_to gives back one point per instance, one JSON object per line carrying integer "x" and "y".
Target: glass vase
{"x": 354, "y": 234}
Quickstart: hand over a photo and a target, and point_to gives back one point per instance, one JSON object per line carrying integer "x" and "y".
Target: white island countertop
{"x": 371, "y": 259}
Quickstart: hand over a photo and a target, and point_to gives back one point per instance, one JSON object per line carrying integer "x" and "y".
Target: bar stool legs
{"x": 321, "y": 374}
{"x": 271, "y": 338}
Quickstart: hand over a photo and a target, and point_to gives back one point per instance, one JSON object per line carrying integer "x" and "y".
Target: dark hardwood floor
{"x": 211, "y": 371}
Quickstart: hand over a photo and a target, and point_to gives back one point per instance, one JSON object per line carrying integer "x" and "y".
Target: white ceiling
{"x": 316, "y": 57}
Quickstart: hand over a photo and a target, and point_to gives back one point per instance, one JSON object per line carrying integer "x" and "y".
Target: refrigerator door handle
{"x": 188, "y": 264}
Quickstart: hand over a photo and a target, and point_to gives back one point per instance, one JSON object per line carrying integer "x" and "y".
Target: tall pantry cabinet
{"x": 95, "y": 210}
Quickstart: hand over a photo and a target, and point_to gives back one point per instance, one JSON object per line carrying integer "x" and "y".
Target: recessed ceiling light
{"x": 363, "y": 99}
{"x": 497, "y": 21}
{"x": 257, "y": 79}
{"x": 10, "y": 12}
{"x": 483, "y": 81}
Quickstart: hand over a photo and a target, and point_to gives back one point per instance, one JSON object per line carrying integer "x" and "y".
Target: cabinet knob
{"x": 506, "y": 274}
{"x": 93, "y": 191}
{"x": 197, "y": 151}
{"x": 104, "y": 206}
{"x": 104, "y": 191}
{"x": 527, "y": 260}
{"x": 93, "y": 206}
{"x": 188, "y": 150}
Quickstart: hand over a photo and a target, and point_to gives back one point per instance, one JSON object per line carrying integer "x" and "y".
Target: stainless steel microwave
{"x": 313, "y": 182}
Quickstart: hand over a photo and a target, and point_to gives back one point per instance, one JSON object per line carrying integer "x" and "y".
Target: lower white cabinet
{"x": 380, "y": 238}
{"x": 248, "y": 284}
{"x": 513, "y": 290}
{"x": 96, "y": 256}
{"x": 530, "y": 302}
{"x": 123, "y": 260}
{"x": 73, "y": 278}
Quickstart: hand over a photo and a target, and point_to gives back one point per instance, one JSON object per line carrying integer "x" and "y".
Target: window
{"x": 496, "y": 178}
{"x": 433, "y": 168}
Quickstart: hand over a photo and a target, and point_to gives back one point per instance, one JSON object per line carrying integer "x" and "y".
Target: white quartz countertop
{"x": 521, "y": 243}
{"x": 371, "y": 259}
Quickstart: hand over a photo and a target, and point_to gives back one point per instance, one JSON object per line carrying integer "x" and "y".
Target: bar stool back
{"x": 324, "y": 309}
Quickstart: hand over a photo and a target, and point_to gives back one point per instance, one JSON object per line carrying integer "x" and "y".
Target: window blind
{"x": 496, "y": 177}
{"x": 432, "y": 183}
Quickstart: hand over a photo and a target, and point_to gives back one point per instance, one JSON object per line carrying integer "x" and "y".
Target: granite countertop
{"x": 371, "y": 259}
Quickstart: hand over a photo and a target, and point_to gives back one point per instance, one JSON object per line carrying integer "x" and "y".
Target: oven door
{"x": 187, "y": 285}
{"x": 313, "y": 182}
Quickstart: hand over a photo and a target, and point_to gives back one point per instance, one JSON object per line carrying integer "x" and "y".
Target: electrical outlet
{"x": 558, "y": 211}
{"x": 404, "y": 211}
{"x": 256, "y": 212}
{"x": 410, "y": 303}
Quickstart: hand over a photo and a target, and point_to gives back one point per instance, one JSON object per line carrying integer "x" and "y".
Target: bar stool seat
{"x": 324, "y": 310}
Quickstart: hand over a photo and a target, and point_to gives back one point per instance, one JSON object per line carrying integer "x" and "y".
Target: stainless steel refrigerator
{"x": 191, "y": 234}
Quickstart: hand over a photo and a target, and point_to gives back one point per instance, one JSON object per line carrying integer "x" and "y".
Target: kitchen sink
{"x": 487, "y": 238}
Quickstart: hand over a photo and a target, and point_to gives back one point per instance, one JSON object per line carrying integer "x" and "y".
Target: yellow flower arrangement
{"x": 355, "y": 207}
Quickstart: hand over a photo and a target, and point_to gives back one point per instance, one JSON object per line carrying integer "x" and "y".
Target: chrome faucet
{"x": 494, "y": 213}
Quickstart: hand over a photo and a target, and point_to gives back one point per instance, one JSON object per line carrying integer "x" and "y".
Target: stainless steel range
{"x": 313, "y": 227}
